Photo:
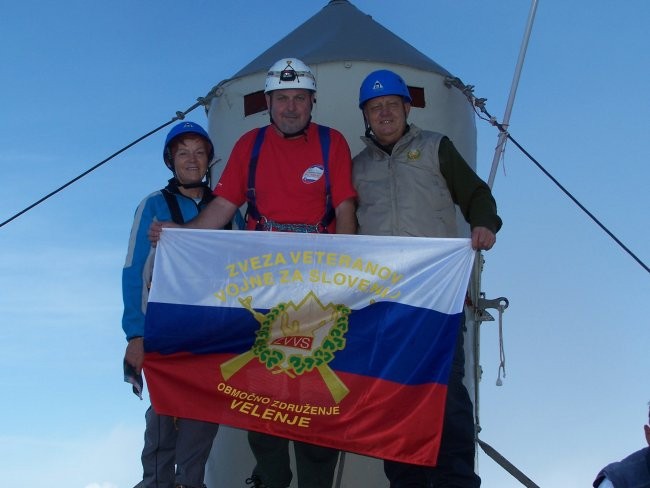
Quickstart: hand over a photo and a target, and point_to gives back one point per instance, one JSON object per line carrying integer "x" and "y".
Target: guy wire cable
{"x": 479, "y": 103}
{"x": 179, "y": 116}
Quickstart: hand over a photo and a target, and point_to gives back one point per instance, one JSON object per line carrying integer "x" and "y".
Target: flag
{"x": 343, "y": 341}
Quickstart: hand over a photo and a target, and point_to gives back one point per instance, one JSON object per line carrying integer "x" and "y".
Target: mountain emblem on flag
{"x": 295, "y": 339}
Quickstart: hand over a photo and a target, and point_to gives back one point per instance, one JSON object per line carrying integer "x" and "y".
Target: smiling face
{"x": 190, "y": 155}
{"x": 387, "y": 117}
{"x": 290, "y": 109}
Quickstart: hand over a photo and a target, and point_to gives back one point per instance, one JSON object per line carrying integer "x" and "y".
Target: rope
{"x": 502, "y": 351}
{"x": 507, "y": 465}
{"x": 479, "y": 103}
{"x": 179, "y": 116}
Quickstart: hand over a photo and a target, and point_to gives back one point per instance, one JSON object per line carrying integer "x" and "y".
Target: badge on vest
{"x": 413, "y": 155}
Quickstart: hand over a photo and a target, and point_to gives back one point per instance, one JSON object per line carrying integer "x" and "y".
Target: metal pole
{"x": 513, "y": 90}
{"x": 339, "y": 474}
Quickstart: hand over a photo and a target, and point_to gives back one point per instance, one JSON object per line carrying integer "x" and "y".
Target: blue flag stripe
{"x": 387, "y": 340}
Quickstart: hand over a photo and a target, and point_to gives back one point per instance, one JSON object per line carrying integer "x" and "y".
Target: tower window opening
{"x": 254, "y": 103}
{"x": 417, "y": 96}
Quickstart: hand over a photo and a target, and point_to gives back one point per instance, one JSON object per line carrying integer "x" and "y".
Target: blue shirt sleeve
{"x": 139, "y": 264}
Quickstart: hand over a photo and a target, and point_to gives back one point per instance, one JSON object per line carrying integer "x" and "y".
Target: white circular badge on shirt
{"x": 313, "y": 174}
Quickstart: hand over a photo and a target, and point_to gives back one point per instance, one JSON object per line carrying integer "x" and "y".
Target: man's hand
{"x": 483, "y": 239}
{"x": 134, "y": 354}
{"x": 156, "y": 228}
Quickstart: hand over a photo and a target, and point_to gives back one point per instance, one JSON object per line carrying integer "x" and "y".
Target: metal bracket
{"x": 499, "y": 304}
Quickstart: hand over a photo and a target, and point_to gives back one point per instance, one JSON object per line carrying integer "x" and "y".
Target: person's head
{"x": 187, "y": 153}
{"x": 385, "y": 102}
{"x": 290, "y": 91}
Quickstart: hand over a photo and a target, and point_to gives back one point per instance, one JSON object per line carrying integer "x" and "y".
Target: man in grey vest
{"x": 409, "y": 182}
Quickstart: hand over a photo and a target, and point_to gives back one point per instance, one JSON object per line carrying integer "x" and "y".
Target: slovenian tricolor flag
{"x": 338, "y": 340}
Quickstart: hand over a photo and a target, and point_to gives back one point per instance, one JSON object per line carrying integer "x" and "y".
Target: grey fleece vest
{"x": 404, "y": 194}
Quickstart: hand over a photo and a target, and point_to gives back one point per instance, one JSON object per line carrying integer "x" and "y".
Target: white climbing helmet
{"x": 289, "y": 73}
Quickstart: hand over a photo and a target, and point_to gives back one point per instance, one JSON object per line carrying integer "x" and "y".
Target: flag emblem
{"x": 295, "y": 339}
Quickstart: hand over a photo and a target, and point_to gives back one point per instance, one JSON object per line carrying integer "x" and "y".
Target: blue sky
{"x": 82, "y": 79}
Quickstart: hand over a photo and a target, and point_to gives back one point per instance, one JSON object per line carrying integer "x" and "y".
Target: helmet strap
{"x": 190, "y": 185}
{"x": 204, "y": 181}
{"x": 367, "y": 124}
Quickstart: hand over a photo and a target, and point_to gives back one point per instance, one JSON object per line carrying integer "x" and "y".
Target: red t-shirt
{"x": 290, "y": 179}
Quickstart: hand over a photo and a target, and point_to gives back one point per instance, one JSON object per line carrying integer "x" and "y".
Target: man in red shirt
{"x": 291, "y": 176}
{"x": 295, "y": 176}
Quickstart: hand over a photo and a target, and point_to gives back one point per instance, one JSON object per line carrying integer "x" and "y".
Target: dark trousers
{"x": 175, "y": 450}
{"x": 315, "y": 464}
{"x": 455, "y": 467}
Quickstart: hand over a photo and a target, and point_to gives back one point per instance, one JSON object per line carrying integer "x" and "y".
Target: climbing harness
{"x": 170, "y": 192}
{"x": 174, "y": 207}
{"x": 261, "y": 221}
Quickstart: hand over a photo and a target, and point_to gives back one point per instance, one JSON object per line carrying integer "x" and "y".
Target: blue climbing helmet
{"x": 179, "y": 130}
{"x": 381, "y": 83}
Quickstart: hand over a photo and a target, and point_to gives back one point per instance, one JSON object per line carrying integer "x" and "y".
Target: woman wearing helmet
{"x": 175, "y": 449}
{"x": 187, "y": 153}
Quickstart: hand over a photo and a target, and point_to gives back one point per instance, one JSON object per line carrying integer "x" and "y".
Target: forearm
{"x": 216, "y": 215}
{"x": 468, "y": 191}
{"x": 346, "y": 220}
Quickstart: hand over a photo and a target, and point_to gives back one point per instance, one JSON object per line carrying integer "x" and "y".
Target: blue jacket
{"x": 631, "y": 472}
{"x": 138, "y": 268}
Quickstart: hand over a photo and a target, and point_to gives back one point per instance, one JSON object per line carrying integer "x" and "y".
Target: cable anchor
{"x": 499, "y": 304}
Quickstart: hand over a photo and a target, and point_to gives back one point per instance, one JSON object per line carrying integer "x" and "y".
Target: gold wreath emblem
{"x": 413, "y": 155}
{"x": 297, "y": 339}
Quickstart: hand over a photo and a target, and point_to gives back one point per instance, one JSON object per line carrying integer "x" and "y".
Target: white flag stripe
{"x": 217, "y": 268}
